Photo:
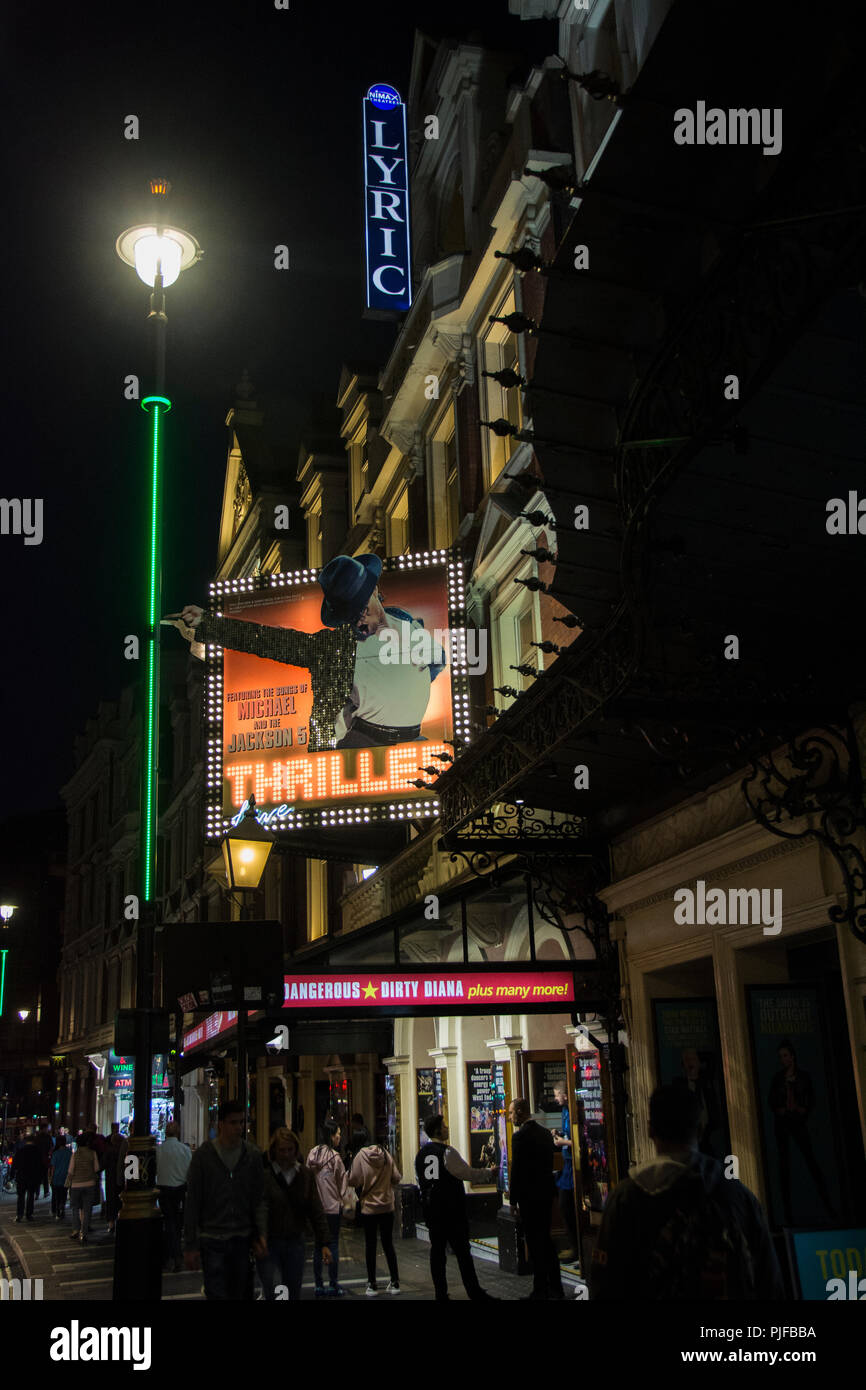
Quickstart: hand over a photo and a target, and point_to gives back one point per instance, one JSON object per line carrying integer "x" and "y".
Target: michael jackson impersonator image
{"x": 360, "y": 700}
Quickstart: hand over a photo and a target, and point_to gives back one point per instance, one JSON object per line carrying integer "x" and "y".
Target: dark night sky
{"x": 254, "y": 115}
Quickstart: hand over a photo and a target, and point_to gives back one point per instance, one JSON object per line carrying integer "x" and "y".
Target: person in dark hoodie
{"x": 293, "y": 1201}
{"x": 677, "y": 1228}
{"x": 225, "y": 1214}
{"x": 27, "y": 1171}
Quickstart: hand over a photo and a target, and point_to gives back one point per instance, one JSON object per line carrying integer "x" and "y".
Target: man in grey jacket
{"x": 225, "y": 1215}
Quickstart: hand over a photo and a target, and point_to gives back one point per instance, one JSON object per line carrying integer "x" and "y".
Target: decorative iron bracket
{"x": 818, "y": 777}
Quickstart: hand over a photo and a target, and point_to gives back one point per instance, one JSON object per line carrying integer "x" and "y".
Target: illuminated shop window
{"x": 499, "y": 350}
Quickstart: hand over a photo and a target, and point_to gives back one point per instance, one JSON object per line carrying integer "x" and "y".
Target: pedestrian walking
{"x": 172, "y": 1166}
{"x": 97, "y": 1143}
{"x": 677, "y": 1229}
{"x": 332, "y": 1184}
{"x": 81, "y": 1180}
{"x": 28, "y": 1173}
{"x": 441, "y": 1173}
{"x": 45, "y": 1144}
{"x": 225, "y": 1213}
{"x": 293, "y": 1203}
{"x": 532, "y": 1191}
{"x": 116, "y": 1149}
{"x": 57, "y": 1173}
{"x": 565, "y": 1178}
{"x": 375, "y": 1175}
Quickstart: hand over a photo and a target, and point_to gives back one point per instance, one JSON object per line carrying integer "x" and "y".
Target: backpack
{"x": 700, "y": 1252}
{"x": 439, "y": 1191}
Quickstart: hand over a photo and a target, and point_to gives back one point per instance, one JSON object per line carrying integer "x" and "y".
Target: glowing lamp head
{"x": 246, "y": 848}
{"x": 157, "y": 254}
{"x": 150, "y": 249}
{"x": 23, "y": 1014}
{"x": 6, "y": 911}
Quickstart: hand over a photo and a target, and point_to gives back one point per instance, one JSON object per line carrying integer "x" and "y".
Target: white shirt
{"x": 172, "y": 1163}
{"x": 391, "y": 692}
{"x": 288, "y": 1173}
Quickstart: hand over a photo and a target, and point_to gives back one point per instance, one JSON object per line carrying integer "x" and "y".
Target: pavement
{"x": 42, "y": 1249}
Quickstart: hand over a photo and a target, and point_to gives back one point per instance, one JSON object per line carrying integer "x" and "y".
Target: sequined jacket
{"x": 329, "y": 656}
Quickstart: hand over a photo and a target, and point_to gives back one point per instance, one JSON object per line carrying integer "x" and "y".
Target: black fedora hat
{"x": 347, "y": 583}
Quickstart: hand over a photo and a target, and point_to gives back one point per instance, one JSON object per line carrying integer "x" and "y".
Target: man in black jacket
{"x": 532, "y": 1191}
{"x": 225, "y": 1212}
{"x": 677, "y": 1229}
{"x": 441, "y": 1173}
{"x": 27, "y": 1171}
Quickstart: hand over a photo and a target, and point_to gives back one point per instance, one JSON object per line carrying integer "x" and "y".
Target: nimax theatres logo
{"x": 386, "y": 199}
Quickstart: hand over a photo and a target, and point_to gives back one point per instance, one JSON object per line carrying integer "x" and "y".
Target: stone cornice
{"x": 700, "y": 942}
{"x": 713, "y": 860}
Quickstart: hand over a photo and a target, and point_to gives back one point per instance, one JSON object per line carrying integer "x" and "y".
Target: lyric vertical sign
{"x": 386, "y": 200}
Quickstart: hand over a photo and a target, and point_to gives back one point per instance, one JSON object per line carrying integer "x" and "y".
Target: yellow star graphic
{"x": 370, "y": 990}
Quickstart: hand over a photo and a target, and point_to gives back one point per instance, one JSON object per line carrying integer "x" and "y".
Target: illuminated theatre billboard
{"x": 330, "y": 692}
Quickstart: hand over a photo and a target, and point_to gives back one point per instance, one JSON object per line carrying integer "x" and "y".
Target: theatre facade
{"x": 649, "y": 805}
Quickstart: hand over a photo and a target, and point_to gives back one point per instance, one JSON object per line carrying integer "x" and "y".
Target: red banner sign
{"x": 212, "y": 1026}
{"x": 461, "y": 987}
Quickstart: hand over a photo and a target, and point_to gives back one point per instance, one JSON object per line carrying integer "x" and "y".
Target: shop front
{"x": 119, "y": 1085}
{"x": 463, "y": 1064}
{"x": 761, "y": 1025}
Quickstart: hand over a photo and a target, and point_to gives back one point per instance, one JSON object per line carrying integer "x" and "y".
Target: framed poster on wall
{"x": 590, "y": 1126}
{"x": 392, "y": 1114}
{"x": 431, "y": 1090}
{"x": 797, "y": 1123}
{"x": 689, "y": 1055}
{"x": 487, "y": 1091}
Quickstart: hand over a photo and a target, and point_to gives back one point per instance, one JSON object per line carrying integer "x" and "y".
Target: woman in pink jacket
{"x": 325, "y": 1163}
{"x": 376, "y": 1174}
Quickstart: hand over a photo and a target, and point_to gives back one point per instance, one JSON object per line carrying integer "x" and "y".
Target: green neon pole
{"x": 3, "y": 955}
{"x": 157, "y": 405}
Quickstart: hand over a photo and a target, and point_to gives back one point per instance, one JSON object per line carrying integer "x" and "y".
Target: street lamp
{"x": 24, "y": 1014}
{"x": 246, "y": 848}
{"x": 159, "y": 252}
{"x": 6, "y": 911}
